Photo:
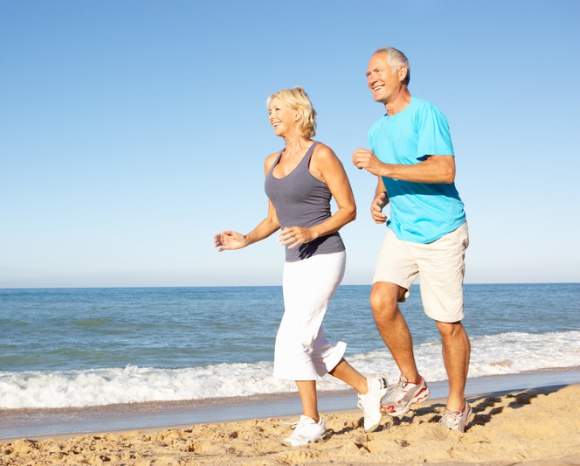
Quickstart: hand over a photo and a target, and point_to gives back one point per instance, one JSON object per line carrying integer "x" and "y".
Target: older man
{"x": 412, "y": 155}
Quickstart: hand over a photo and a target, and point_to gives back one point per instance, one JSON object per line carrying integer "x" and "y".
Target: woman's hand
{"x": 295, "y": 236}
{"x": 228, "y": 240}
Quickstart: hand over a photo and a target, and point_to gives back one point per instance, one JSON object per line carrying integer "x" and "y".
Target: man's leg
{"x": 442, "y": 268}
{"x": 456, "y": 352}
{"x": 393, "y": 327}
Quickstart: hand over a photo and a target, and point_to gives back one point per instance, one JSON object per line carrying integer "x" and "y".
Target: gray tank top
{"x": 301, "y": 200}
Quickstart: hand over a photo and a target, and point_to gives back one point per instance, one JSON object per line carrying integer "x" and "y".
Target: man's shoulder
{"x": 423, "y": 106}
{"x": 377, "y": 123}
{"x": 375, "y": 127}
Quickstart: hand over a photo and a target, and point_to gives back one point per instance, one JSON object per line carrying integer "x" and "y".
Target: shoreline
{"x": 531, "y": 427}
{"x": 39, "y": 423}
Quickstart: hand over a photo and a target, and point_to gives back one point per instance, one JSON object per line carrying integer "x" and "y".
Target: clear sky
{"x": 132, "y": 131}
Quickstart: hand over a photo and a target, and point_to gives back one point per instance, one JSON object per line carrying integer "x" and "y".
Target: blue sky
{"x": 132, "y": 131}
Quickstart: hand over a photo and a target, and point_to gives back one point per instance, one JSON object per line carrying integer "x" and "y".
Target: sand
{"x": 530, "y": 427}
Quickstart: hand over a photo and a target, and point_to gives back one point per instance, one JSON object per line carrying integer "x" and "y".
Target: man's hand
{"x": 377, "y": 205}
{"x": 364, "y": 158}
{"x": 295, "y": 236}
{"x": 229, "y": 240}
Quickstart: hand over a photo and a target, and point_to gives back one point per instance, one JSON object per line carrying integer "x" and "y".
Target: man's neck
{"x": 401, "y": 100}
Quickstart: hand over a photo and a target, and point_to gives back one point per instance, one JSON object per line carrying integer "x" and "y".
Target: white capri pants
{"x": 302, "y": 351}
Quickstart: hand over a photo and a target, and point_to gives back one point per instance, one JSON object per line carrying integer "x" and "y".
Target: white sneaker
{"x": 370, "y": 403}
{"x": 306, "y": 431}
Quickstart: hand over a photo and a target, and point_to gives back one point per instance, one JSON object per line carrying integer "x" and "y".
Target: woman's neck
{"x": 296, "y": 143}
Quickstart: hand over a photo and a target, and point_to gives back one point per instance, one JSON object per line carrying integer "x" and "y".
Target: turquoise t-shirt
{"x": 420, "y": 212}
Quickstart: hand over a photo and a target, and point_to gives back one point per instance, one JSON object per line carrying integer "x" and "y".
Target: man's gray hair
{"x": 397, "y": 60}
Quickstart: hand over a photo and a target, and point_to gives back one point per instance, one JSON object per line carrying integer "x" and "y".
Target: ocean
{"x": 101, "y": 346}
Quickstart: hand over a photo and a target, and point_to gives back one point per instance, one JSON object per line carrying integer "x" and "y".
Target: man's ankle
{"x": 455, "y": 405}
{"x": 416, "y": 378}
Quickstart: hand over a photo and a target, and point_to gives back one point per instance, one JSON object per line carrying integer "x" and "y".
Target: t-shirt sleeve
{"x": 434, "y": 135}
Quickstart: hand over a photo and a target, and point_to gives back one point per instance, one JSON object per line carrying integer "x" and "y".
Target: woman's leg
{"x": 350, "y": 376}
{"x": 371, "y": 392}
{"x": 302, "y": 351}
{"x": 308, "y": 397}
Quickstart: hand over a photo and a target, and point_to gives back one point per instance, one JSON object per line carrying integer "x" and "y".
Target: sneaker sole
{"x": 373, "y": 427}
{"x": 419, "y": 398}
{"x": 289, "y": 444}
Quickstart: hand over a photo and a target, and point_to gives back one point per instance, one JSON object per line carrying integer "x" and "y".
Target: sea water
{"x": 100, "y": 346}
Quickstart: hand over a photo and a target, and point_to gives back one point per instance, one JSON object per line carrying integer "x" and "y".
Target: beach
{"x": 160, "y": 376}
{"x": 530, "y": 426}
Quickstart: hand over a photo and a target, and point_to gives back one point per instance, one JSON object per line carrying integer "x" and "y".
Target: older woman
{"x": 300, "y": 182}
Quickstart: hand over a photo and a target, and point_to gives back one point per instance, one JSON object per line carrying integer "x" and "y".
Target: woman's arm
{"x": 229, "y": 240}
{"x": 326, "y": 166}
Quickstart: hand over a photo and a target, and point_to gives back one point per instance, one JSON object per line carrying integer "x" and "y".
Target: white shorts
{"x": 302, "y": 351}
{"x": 440, "y": 266}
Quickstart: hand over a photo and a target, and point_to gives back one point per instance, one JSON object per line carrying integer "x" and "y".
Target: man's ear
{"x": 402, "y": 73}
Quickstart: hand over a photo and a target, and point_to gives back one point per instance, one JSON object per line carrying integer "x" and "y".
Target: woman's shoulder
{"x": 269, "y": 161}
{"x": 323, "y": 153}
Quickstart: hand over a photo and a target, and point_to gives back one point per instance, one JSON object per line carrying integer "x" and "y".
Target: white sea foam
{"x": 507, "y": 353}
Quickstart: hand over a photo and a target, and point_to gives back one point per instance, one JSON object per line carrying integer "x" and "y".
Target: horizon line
{"x": 254, "y": 286}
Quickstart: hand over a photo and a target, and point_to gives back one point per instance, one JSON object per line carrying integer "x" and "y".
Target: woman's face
{"x": 282, "y": 118}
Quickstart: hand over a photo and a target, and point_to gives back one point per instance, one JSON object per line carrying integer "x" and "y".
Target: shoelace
{"x": 292, "y": 425}
{"x": 401, "y": 384}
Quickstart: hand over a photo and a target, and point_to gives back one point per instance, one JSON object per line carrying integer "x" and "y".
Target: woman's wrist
{"x": 314, "y": 233}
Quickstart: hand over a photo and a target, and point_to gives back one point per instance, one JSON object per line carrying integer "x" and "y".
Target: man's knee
{"x": 449, "y": 329}
{"x": 384, "y": 298}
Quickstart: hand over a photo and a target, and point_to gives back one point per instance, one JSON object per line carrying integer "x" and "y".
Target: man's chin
{"x": 380, "y": 98}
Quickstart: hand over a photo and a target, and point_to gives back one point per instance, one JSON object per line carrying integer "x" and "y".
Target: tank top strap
{"x": 308, "y": 155}
{"x": 276, "y": 161}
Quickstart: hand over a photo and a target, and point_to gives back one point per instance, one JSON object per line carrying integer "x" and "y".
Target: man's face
{"x": 383, "y": 82}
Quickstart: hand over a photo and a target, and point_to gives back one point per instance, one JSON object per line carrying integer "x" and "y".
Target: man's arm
{"x": 436, "y": 169}
{"x": 380, "y": 200}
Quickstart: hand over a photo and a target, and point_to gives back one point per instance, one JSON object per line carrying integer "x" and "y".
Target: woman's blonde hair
{"x": 297, "y": 99}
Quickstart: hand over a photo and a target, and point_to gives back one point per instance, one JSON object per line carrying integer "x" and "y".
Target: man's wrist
{"x": 387, "y": 169}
